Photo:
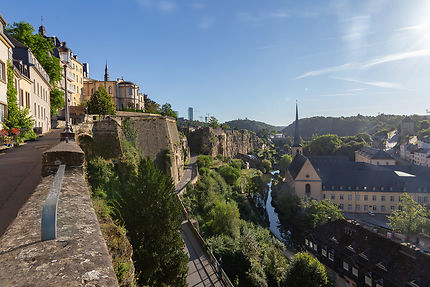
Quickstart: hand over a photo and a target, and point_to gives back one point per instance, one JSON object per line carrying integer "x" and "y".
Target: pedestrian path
{"x": 200, "y": 272}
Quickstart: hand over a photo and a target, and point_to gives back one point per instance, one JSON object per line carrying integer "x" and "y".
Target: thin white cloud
{"x": 341, "y": 95}
{"x": 326, "y": 70}
{"x": 279, "y": 14}
{"x": 411, "y": 28}
{"x": 365, "y": 65}
{"x": 166, "y": 6}
{"x": 397, "y": 57}
{"x": 378, "y": 84}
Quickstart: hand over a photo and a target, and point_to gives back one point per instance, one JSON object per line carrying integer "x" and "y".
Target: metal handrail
{"x": 49, "y": 210}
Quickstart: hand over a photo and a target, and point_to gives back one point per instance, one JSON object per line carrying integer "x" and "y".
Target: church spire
{"x": 42, "y": 30}
{"x": 297, "y": 131}
{"x": 297, "y": 146}
{"x": 106, "y": 73}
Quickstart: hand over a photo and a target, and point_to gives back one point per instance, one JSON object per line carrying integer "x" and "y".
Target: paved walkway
{"x": 200, "y": 272}
{"x": 20, "y": 173}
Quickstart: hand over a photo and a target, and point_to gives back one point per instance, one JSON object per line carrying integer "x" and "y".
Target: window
{"x": 35, "y": 110}
{"x": 392, "y": 198}
{"x": 331, "y": 255}
{"x": 130, "y": 91}
{"x": 315, "y": 247}
{"x": 383, "y": 198}
{"x": 354, "y": 271}
{"x": 349, "y": 207}
{"x": 2, "y": 112}
{"x": 341, "y": 197}
{"x": 349, "y": 196}
{"x": 341, "y": 206}
{"x": 324, "y": 252}
{"x": 308, "y": 189}
{"x": 21, "y": 98}
{"x": 374, "y": 197}
{"x": 382, "y": 207}
{"x": 324, "y": 196}
{"x": 392, "y": 207}
{"x": 332, "y": 197}
{"x": 306, "y": 242}
{"x": 357, "y": 207}
{"x": 345, "y": 266}
{"x": 110, "y": 90}
{"x": 366, "y": 197}
{"x": 368, "y": 279}
{"x": 357, "y": 197}
{"x": 365, "y": 207}
{"x": 374, "y": 207}
{"x": 2, "y": 71}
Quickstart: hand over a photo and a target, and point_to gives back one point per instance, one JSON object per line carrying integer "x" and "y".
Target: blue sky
{"x": 252, "y": 58}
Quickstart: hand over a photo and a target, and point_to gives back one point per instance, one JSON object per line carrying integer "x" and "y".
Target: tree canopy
{"x": 166, "y": 110}
{"x": 306, "y": 270}
{"x": 410, "y": 217}
{"x": 101, "y": 103}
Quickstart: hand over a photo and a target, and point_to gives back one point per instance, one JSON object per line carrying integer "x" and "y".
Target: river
{"x": 275, "y": 226}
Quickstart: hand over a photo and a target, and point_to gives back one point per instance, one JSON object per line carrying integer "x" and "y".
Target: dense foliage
{"x": 224, "y": 202}
{"x": 306, "y": 270}
{"x": 17, "y": 118}
{"x": 166, "y": 110}
{"x": 335, "y": 145}
{"x": 349, "y": 126}
{"x": 142, "y": 198}
{"x": 260, "y": 128}
{"x": 151, "y": 106}
{"x": 101, "y": 103}
{"x": 410, "y": 218}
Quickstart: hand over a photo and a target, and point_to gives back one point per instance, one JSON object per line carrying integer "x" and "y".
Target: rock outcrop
{"x": 156, "y": 136}
{"x": 217, "y": 141}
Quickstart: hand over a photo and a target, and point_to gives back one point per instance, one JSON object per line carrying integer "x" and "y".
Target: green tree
{"x": 266, "y": 165}
{"x": 16, "y": 117}
{"x": 101, "y": 103}
{"x": 151, "y": 106}
{"x": 320, "y": 211}
{"x": 57, "y": 100}
{"x": 324, "y": 145}
{"x": 224, "y": 218}
{"x": 306, "y": 270}
{"x": 152, "y": 216}
{"x": 410, "y": 218}
{"x": 284, "y": 162}
{"x": 204, "y": 161}
{"x": 229, "y": 173}
{"x": 213, "y": 122}
{"x": 166, "y": 110}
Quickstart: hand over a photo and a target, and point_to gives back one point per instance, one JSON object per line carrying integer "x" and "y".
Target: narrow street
{"x": 20, "y": 173}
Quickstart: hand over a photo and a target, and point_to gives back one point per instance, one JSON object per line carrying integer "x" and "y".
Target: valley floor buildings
{"x": 372, "y": 183}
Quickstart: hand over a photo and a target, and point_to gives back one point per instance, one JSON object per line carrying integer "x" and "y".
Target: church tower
{"x": 297, "y": 147}
{"x": 106, "y": 73}
{"x": 42, "y": 30}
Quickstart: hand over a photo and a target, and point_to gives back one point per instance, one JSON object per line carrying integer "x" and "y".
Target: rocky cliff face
{"x": 156, "y": 136}
{"x": 219, "y": 142}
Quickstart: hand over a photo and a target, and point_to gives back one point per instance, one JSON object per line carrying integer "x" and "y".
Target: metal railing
{"x": 49, "y": 210}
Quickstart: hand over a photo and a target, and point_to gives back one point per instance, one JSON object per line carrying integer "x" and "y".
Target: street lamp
{"x": 65, "y": 54}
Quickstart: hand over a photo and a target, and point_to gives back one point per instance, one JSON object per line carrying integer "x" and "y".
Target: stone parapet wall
{"x": 78, "y": 257}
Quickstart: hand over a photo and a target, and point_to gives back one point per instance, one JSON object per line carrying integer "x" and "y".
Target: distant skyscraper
{"x": 190, "y": 114}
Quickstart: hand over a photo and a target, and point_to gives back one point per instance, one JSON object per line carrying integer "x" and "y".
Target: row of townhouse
{"x": 418, "y": 154}
{"x": 30, "y": 80}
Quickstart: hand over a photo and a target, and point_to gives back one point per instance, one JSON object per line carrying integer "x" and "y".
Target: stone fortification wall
{"x": 219, "y": 142}
{"x": 77, "y": 257}
{"x": 157, "y": 137}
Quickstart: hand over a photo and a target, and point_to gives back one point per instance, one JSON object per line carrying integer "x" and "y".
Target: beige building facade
{"x": 5, "y": 56}
{"x": 125, "y": 94}
{"x": 374, "y": 156}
